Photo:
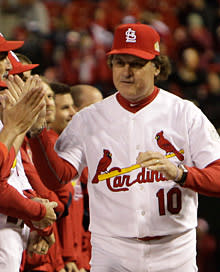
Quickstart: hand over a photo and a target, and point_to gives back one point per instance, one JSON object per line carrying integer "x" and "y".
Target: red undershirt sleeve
{"x": 205, "y": 181}
{"x": 53, "y": 170}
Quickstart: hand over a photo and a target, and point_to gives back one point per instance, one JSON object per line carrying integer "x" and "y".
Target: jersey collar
{"x": 135, "y": 107}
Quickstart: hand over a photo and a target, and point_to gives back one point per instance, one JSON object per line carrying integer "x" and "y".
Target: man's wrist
{"x": 35, "y": 132}
{"x": 182, "y": 176}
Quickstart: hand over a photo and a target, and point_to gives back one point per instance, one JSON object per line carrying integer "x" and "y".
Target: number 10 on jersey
{"x": 173, "y": 198}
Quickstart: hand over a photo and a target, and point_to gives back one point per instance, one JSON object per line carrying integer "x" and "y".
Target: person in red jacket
{"x": 16, "y": 209}
{"x": 71, "y": 226}
{"x": 52, "y": 261}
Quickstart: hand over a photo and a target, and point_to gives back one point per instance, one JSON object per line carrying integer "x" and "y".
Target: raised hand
{"x": 21, "y": 116}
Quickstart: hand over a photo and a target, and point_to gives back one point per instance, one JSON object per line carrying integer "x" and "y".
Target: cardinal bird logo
{"x": 164, "y": 144}
{"x": 103, "y": 164}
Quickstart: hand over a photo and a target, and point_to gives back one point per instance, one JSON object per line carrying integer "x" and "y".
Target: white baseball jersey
{"x": 139, "y": 203}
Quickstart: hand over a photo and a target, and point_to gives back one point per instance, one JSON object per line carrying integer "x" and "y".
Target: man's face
{"x": 50, "y": 104}
{"x": 133, "y": 77}
{"x": 64, "y": 112}
{"x": 5, "y": 66}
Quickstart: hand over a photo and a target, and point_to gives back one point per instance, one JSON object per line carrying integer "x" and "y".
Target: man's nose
{"x": 72, "y": 111}
{"x": 127, "y": 69}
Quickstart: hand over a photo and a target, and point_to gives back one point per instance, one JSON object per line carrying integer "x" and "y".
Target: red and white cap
{"x": 6, "y": 46}
{"x": 137, "y": 39}
{"x": 17, "y": 66}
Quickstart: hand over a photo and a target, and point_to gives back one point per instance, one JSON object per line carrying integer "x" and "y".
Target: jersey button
{"x": 143, "y": 213}
{"x": 138, "y": 147}
{"x": 141, "y": 187}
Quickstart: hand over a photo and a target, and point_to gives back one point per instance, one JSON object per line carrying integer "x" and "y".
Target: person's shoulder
{"x": 172, "y": 98}
{"x": 105, "y": 103}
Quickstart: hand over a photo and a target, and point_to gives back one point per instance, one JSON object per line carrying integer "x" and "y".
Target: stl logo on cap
{"x": 139, "y": 40}
{"x": 130, "y": 35}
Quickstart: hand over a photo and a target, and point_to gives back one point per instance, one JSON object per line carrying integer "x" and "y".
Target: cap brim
{"x": 132, "y": 51}
{"x": 10, "y": 45}
{"x": 23, "y": 68}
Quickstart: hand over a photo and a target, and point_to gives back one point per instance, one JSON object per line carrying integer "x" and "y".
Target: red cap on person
{"x": 9, "y": 45}
{"x": 138, "y": 39}
{"x": 17, "y": 66}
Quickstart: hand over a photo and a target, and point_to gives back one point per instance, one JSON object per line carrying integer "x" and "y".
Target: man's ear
{"x": 156, "y": 69}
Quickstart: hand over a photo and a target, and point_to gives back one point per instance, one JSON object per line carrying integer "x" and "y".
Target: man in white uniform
{"x": 148, "y": 153}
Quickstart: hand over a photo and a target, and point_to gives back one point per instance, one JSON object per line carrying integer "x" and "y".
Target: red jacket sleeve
{"x": 6, "y": 161}
{"x": 205, "y": 181}
{"x": 3, "y": 153}
{"x": 65, "y": 227}
{"x": 12, "y": 203}
{"x": 37, "y": 184}
{"x": 53, "y": 170}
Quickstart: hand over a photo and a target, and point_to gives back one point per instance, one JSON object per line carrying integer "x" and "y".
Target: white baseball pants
{"x": 13, "y": 240}
{"x": 174, "y": 253}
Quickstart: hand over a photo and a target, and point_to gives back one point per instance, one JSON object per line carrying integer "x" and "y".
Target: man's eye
{"x": 3, "y": 55}
{"x": 137, "y": 65}
{"x": 119, "y": 63}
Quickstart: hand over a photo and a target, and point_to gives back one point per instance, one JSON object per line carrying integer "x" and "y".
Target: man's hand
{"x": 21, "y": 116}
{"x": 50, "y": 239}
{"x": 49, "y": 217}
{"x": 71, "y": 267}
{"x": 40, "y": 200}
{"x": 37, "y": 244}
{"x": 40, "y": 123}
{"x": 157, "y": 162}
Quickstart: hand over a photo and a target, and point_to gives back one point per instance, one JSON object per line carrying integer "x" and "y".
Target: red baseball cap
{"x": 9, "y": 45}
{"x": 136, "y": 39}
{"x": 17, "y": 66}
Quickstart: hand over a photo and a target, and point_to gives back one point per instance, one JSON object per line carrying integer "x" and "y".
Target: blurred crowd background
{"x": 69, "y": 39}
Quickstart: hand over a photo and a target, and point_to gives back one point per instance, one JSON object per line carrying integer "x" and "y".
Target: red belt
{"x": 15, "y": 221}
{"x": 149, "y": 238}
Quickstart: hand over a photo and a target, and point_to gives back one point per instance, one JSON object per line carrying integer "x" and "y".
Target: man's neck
{"x": 138, "y": 105}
